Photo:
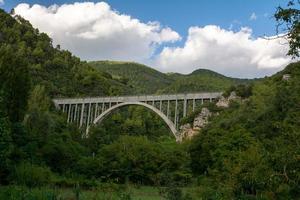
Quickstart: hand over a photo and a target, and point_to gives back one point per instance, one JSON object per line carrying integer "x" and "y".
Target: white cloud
{"x": 2, "y": 2}
{"x": 253, "y": 17}
{"x": 235, "y": 54}
{"x": 94, "y": 31}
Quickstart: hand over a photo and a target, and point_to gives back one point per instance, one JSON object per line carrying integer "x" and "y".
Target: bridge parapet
{"x": 171, "y": 108}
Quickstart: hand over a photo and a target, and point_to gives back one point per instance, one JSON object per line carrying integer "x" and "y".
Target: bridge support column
{"x": 202, "y": 101}
{"x": 168, "y": 109}
{"x": 72, "y": 113}
{"x": 81, "y": 115}
{"x": 89, "y": 115}
{"x": 175, "y": 118}
{"x": 96, "y": 111}
{"x": 69, "y": 112}
{"x": 64, "y": 107}
{"x": 184, "y": 107}
{"x": 194, "y": 102}
{"x": 75, "y": 115}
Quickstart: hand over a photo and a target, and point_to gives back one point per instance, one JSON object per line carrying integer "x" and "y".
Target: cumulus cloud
{"x": 235, "y": 54}
{"x": 2, "y": 2}
{"x": 94, "y": 31}
{"x": 253, "y": 17}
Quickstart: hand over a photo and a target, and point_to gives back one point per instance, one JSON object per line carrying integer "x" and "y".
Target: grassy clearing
{"x": 46, "y": 193}
{"x": 101, "y": 193}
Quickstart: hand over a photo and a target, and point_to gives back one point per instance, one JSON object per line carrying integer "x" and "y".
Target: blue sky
{"x": 228, "y": 18}
{"x": 181, "y": 14}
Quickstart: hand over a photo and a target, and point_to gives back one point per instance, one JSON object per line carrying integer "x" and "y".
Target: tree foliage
{"x": 288, "y": 25}
{"x": 253, "y": 149}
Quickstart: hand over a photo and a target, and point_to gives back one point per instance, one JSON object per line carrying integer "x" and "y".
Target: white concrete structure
{"x": 171, "y": 108}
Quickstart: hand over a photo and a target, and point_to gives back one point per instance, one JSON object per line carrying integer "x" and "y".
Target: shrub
{"x": 32, "y": 175}
{"x": 172, "y": 193}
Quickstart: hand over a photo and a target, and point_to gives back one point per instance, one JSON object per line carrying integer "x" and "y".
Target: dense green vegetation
{"x": 133, "y": 121}
{"x": 201, "y": 80}
{"x": 61, "y": 73}
{"x": 288, "y": 22}
{"x": 38, "y": 148}
{"x": 139, "y": 78}
{"x": 248, "y": 151}
{"x": 103, "y": 192}
{"x": 252, "y": 149}
{"x": 145, "y": 80}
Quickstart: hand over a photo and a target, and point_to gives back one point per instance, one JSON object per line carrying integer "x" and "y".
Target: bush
{"x": 24, "y": 193}
{"x": 174, "y": 193}
{"x": 32, "y": 175}
{"x": 243, "y": 91}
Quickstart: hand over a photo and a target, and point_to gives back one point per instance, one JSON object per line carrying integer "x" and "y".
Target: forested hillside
{"x": 145, "y": 80}
{"x": 59, "y": 71}
{"x": 140, "y": 78}
{"x": 252, "y": 148}
{"x": 201, "y": 80}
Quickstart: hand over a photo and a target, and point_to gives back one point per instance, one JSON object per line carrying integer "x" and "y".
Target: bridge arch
{"x": 155, "y": 110}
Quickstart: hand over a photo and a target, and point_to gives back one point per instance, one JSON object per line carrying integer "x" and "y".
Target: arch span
{"x": 161, "y": 114}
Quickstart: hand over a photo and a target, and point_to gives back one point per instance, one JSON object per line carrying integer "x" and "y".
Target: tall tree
{"x": 288, "y": 25}
{"x": 14, "y": 83}
{"x": 5, "y": 144}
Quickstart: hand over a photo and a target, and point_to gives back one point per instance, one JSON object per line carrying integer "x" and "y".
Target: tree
{"x": 14, "y": 83}
{"x": 288, "y": 23}
{"x": 5, "y": 144}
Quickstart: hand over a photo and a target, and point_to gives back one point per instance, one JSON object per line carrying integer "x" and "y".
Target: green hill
{"x": 59, "y": 71}
{"x": 145, "y": 80}
{"x": 140, "y": 78}
{"x": 201, "y": 80}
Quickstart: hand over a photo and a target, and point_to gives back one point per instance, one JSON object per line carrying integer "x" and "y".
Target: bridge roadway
{"x": 92, "y": 110}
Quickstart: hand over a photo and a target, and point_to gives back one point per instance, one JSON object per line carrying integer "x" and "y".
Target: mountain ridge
{"x": 143, "y": 79}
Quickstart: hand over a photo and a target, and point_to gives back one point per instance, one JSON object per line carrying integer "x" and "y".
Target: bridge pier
{"x": 75, "y": 115}
{"x": 81, "y": 115}
{"x": 175, "y": 118}
{"x": 184, "y": 107}
{"x": 168, "y": 108}
{"x": 194, "y": 101}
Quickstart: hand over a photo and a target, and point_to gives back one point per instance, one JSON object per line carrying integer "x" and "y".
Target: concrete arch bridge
{"x": 171, "y": 108}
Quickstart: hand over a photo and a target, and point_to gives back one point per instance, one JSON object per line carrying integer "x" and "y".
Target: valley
{"x": 245, "y": 141}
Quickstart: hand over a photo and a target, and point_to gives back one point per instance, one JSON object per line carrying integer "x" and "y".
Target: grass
{"x": 47, "y": 193}
{"x": 114, "y": 192}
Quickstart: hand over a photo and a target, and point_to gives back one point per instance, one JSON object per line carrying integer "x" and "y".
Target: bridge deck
{"x": 141, "y": 98}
